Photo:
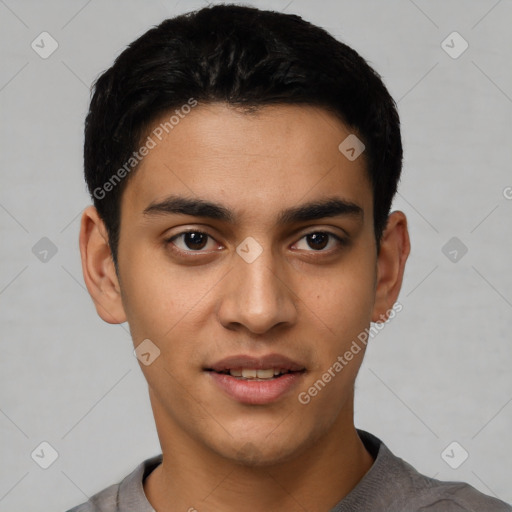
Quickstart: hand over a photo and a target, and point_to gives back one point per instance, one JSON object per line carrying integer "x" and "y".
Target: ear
{"x": 394, "y": 249}
{"x": 98, "y": 268}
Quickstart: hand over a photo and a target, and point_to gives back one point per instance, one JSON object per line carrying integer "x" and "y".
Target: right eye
{"x": 190, "y": 241}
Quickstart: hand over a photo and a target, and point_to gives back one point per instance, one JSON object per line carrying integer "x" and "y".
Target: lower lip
{"x": 256, "y": 392}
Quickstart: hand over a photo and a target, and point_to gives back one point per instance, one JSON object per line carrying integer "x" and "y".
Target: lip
{"x": 257, "y": 363}
{"x": 256, "y": 392}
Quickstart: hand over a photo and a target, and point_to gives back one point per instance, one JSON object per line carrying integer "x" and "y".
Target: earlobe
{"x": 394, "y": 250}
{"x": 98, "y": 268}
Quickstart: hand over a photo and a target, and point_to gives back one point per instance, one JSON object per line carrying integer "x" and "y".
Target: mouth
{"x": 251, "y": 380}
{"x": 254, "y": 374}
{"x": 247, "y": 367}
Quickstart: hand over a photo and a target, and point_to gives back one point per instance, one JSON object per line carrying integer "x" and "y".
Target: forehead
{"x": 255, "y": 163}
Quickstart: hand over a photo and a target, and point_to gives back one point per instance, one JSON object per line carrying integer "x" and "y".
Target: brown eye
{"x": 318, "y": 241}
{"x": 193, "y": 241}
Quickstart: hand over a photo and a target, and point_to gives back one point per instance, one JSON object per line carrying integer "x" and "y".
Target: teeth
{"x": 251, "y": 373}
{"x": 264, "y": 374}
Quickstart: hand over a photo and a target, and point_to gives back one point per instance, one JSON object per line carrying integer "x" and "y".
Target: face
{"x": 247, "y": 256}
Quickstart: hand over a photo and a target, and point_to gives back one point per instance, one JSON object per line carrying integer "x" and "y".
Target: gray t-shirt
{"x": 390, "y": 485}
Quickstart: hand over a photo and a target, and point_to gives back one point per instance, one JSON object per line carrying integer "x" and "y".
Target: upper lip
{"x": 274, "y": 361}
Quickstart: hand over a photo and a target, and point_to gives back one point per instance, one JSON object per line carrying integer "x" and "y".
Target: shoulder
{"x": 105, "y": 500}
{"x": 398, "y": 487}
{"x": 425, "y": 494}
{"x": 430, "y": 495}
{"x": 125, "y": 496}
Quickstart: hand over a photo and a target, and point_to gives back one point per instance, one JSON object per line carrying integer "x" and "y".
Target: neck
{"x": 194, "y": 478}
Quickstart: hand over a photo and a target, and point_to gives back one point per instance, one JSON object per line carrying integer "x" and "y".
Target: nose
{"x": 257, "y": 295}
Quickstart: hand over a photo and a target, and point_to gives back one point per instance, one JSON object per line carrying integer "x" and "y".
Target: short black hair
{"x": 247, "y": 58}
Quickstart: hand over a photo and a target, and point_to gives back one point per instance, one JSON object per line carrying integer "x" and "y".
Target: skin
{"x": 295, "y": 299}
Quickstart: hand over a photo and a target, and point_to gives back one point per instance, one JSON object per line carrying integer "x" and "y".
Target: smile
{"x": 253, "y": 374}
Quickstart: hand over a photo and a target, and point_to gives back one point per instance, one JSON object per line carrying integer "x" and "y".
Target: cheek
{"x": 149, "y": 294}
{"x": 342, "y": 299}
{"x": 161, "y": 299}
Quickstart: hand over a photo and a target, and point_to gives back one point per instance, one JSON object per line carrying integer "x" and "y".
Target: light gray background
{"x": 439, "y": 372}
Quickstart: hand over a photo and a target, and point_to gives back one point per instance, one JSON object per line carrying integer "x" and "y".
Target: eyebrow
{"x": 328, "y": 207}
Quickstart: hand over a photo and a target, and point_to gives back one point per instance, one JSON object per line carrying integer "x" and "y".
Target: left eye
{"x": 319, "y": 240}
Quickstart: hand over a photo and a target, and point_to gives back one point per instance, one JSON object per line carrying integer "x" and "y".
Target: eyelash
{"x": 170, "y": 241}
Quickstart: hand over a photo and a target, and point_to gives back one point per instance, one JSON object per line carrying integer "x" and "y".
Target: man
{"x": 242, "y": 165}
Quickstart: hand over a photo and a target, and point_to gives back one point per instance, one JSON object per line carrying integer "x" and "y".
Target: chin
{"x": 260, "y": 453}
